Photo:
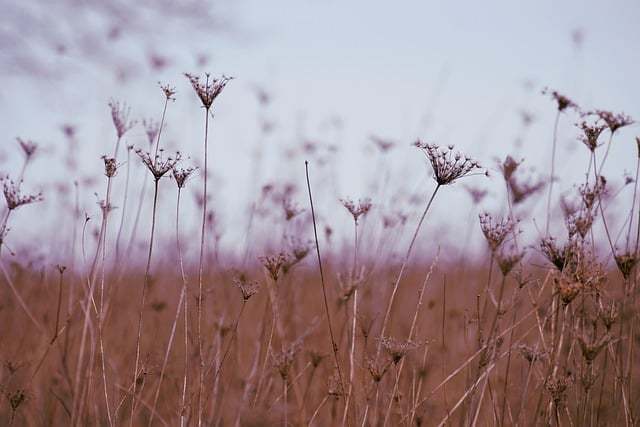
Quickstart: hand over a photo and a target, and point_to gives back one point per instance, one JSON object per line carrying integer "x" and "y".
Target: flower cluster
{"x": 208, "y": 90}
{"x": 120, "y": 116}
{"x": 448, "y": 166}
{"x": 15, "y": 198}
{"x": 158, "y": 166}
{"x": 357, "y": 210}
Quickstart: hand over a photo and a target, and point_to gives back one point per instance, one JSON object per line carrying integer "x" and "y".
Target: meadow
{"x": 383, "y": 330}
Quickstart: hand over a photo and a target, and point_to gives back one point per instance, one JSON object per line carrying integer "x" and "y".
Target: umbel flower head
{"x": 110, "y": 166}
{"x": 495, "y": 230}
{"x": 590, "y": 134}
{"x": 209, "y": 89}
{"x": 15, "y": 198}
{"x": 28, "y": 147}
{"x": 120, "y": 115}
{"x": 151, "y": 129}
{"x": 357, "y": 210}
{"x": 158, "y": 166}
{"x": 448, "y": 166}
{"x": 182, "y": 175}
{"x": 562, "y": 101}
{"x": 614, "y": 121}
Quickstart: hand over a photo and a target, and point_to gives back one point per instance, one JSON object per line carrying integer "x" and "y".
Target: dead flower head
{"x": 28, "y": 147}
{"x": 120, "y": 116}
{"x": 158, "y": 166}
{"x": 182, "y": 175}
{"x": 397, "y": 349}
{"x": 169, "y": 91}
{"x": 209, "y": 89}
{"x": 562, "y": 101}
{"x": 248, "y": 288}
{"x": 590, "y": 134}
{"x": 614, "y": 121}
{"x": 495, "y": 230}
{"x": 151, "y": 129}
{"x": 357, "y": 210}
{"x": 110, "y": 166}
{"x": 274, "y": 264}
{"x": 508, "y": 259}
{"x": 15, "y": 198}
{"x": 448, "y": 166}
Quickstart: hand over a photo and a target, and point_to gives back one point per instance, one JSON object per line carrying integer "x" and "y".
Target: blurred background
{"x": 332, "y": 82}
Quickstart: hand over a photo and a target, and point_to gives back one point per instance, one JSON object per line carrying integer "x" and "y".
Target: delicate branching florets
{"x": 151, "y": 129}
{"x": 357, "y": 210}
{"x": 507, "y": 260}
{"x": 397, "y": 349}
{"x": 626, "y": 262}
{"x": 531, "y": 354}
{"x": 273, "y": 264}
{"x": 448, "y": 166}
{"x": 120, "y": 116}
{"x": 509, "y": 167}
{"x": 608, "y": 314}
{"x": 591, "y": 348}
{"x": 590, "y": 134}
{"x": 495, "y": 232}
{"x": 208, "y": 90}
{"x": 284, "y": 360}
{"x": 558, "y": 256}
{"x": 169, "y": 91}
{"x": 591, "y": 193}
{"x": 248, "y": 288}
{"x": 477, "y": 194}
{"x": 110, "y": 166}
{"x": 15, "y": 198}
{"x": 182, "y": 175}
{"x": 291, "y": 209}
{"x": 28, "y": 147}
{"x": 567, "y": 288}
{"x": 614, "y": 121}
{"x": 158, "y": 166}
{"x": 557, "y": 387}
{"x": 562, "y": 101}
{"x": 377, "y": 369}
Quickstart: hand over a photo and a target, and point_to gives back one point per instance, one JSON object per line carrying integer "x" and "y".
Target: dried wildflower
{"x": 315, "y": 357}
{"x": 110, "y": 166}
{"x": 291, "y": 209}
{"x": 580, "y": 223}
{"x": 120, "y": 116}
{"x": 14, "y": 197}
{"x": 558, "y": 256}
{"x": 284, "y": 359}
{"x": 614, "y": 121}
{"x": 16, "y": 398}
{"x": 248, "y": 288}
{"x": 158, "y": 166}
{"x": 567, "y": 288}
{"x": 151, "y": 129}
{"x": 377, "y": 369}
{"x": 297, "y": 252}
{"x": 397, "y": 349}
{"x": 562, "y": 101}
{"x": 447, "y": 165}
{"x": 626, "y": 262}
{"x": 520, "y": 191}
{"x": 591, "y": 348}
{"x": 557, "y": 387}
{"x": 506, "y": 261}
{"x": 208, "y": 90}
{"x": 334, "y": 385}
{"x": 509, "y": 167}
{"x": 495, "y": 231}
{"x": 361, "y": 209}
{"x": 169, "y": 91}
{"x": 608, "y": 315}
{"x": 531, "y": 354}
{"x": 383, "y": 144}
{"x": 273, "y": 264}
{"x": 590, "y": 134}
{"x": 28, "y": 147}
{"x": 182, "y": 175}
{"x": 477, "y": 195}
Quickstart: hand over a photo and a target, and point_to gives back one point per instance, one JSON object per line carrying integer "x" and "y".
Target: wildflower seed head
{"x": 120, "y": 116}
{"x": 208, "y": 88}
{"x": 477, "y": 194}
{"x": 169, "y": 91}
{"x": 531, "y": 354}
{"x": 567, "y": 288}
{"x": 448, "y": 166}
{"x": 608, "y": 314}
{"x": 562, "y": 101}
{"x": 377, "y": 369}
{"x": 495, "y": 230}
{"x": 290, "y": 208}
{"x": 590, "y": 134}
{"x": 182, "y": 175}
{"x": 273, "y": 264}
{"x": 614, "y": 121}
{"x": 248, "y": 288}
{"x": 397, "y": 349}
{"x": 158, "y": 165}
{"x": 557, "y": 387}
{"x": 509, "y": 167}
{"x": 284, "y": 359}
{"x": 28, "y": 147}
{"x": 626, "y": 262}
{"x": 508, "y": 259}
{"x": 557, "y": 255}
{"x": 151, "y": 129}
{"x": 110, "y": 166}
{"x": 591, "y": 348}
{"x": 357, "y": 210}
{"x": 15, "y": 198}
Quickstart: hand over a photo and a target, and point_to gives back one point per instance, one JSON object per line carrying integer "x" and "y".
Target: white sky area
{"x": 450, "y": 72}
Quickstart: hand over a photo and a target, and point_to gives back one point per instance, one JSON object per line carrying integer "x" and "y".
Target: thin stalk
{"x": 143, "y": 299}
{"x": 553, "y": 170}
{"x": 201, "y": 265}
{"x": 403, "y": 267}
{"x": 334, "y": 346}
